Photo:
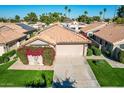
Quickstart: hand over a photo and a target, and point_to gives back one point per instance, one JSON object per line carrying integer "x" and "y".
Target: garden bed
{"x": 106, "y": 75}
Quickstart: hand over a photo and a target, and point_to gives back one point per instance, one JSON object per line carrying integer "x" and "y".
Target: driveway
{"x": 73, "y": 72}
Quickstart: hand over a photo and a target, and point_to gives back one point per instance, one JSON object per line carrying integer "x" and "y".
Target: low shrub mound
{"x": 96, "y": 51}
{"x": 47, "y": 53}
{"x": 6, "y": 56}
{"x": 89, "y": 52}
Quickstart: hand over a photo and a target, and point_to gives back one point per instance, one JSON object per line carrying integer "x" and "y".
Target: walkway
{"x": 114, "y": 64}
{"x": 73, "y": 72}
{"x": 18, "y": 65}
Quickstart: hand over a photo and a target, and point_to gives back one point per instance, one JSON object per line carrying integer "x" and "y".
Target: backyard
{"x": 106, "y": 75}
{"x": 24, "y": 78}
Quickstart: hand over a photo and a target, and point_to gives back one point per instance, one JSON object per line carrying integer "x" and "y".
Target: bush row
{"x": 6, "y": 56}
{"x": 93, "y": 50}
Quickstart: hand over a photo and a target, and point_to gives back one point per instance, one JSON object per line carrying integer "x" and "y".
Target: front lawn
{"x": 24, "y": 78}
{"x": 106, "y": 75}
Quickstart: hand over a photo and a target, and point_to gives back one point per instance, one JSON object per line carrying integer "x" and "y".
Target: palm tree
{"x": 69, "y": 10}
{"x": 66, "y": 8}
{"x": 104, "y": 10}
{"x": 85, "y": 13}
{"x": 100, "y": 13}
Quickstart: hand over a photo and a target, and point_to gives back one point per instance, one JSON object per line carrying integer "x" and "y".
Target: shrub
{"x": 106, "y": 53}
{"x": 10, "y": 53}
{"x": 96, "y": 51}
{"x": 21, "y": 53}
{"x": 1, "y": 60}
{"x": 48, "y": 56}
{"x": 121, "y": 56}
{"x": 89, "y": 52}
{"x": 37, "y": 83}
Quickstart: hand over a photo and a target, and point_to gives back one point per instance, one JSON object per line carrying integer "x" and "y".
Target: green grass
{"x": 106, "y": 75}
{"x": 18, "y": 78}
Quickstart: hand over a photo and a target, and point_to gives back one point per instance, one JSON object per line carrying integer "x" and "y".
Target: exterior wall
{"x": 85, "y": 50}
{"x": 73, "y": 50}
{"x": 2, "y": 50}
{"x": 35, "y": 60}
{"x": 103, "y": 44}
{"x": 37, "y": 42}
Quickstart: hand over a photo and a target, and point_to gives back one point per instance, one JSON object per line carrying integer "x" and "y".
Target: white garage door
{"x": 69, "y": 50}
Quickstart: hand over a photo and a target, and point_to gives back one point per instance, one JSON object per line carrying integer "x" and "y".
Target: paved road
{"x": 73, "y": 72}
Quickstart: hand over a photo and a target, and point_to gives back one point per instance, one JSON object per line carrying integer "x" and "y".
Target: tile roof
{"x": 8, "y": 33}
{"x": 111, "y": 33}
{"x": 57, "y": 34}
{"x": 92, "y": 26}
{"x": 20, "y": 27}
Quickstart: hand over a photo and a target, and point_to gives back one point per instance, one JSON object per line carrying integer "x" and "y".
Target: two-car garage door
{"x": 73, "y": 50}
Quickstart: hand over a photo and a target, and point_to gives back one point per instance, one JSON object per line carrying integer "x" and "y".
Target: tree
{"x": 120, "y": 11}
{"x": 69, "y": 10}
{"x": 120, "y": 20}
{"x": 52, "y": 17}
{"x": 96, "y": 18}
{"x": 120, "y": 15}
{"x": 100, "y": 13}
{"x": 31, "y": 17}
{"x": 66, "y": 9}
{"x": 104, "y": 10}
{"x": 84, "y": 18}
{"x": 17, "y": 18}
{"x": 85, "y": 13}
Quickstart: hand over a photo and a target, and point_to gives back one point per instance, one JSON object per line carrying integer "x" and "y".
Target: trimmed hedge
{"x": 89, "y": 52}
{"x": 21, "y": 53}
{"x": 121, "y": 56}
{"x": 6, "y": 56}
{"x": 96, "y": 51}
{"x": 48, "y": 56}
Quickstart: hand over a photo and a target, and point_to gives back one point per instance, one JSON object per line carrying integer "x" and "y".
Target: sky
{"x": 9, "y": 11}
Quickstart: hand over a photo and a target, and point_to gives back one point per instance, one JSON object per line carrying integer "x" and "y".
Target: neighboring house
{"x": 38, "y": 25}
{"x": 111, "y": 38}
{"x": 93, "y": 27}
{"x": 74, "y": 26}
{"x": 62, "y": 40}
{"x": 9, "y": 39}
{"x": 28, "y": 30}
{"x": 12, "y": 35}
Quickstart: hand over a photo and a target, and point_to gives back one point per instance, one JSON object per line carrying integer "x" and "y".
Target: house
{"x": 9, "y": 39}
{"x": 74, "y": 26}
{"x": 26, "y": 29}
{"x": 93, "y": 27}
{"x": 62, "y": 40}
{"x": 38, "y": 25}
{"x": 12, "y": 35}
{"x": 111, "y": 38}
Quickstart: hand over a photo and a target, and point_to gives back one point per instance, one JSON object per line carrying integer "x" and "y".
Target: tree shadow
{"x": 67, "y": 83}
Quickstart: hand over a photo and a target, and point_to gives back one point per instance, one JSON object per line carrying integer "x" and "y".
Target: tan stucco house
{"x": 62, "y": 40}
{"x": 111, "y": 37}
{"x": 12, "y": 35}
{"x": 93, "y": 27}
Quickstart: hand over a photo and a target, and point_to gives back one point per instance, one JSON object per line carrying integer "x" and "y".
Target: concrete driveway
{"x": 72, "y": 72}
